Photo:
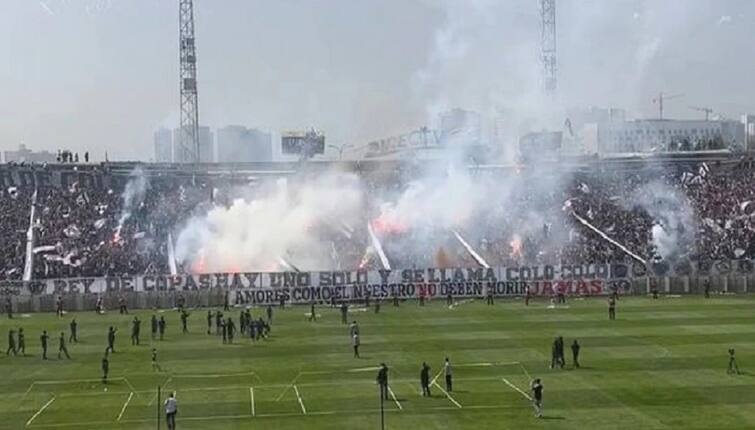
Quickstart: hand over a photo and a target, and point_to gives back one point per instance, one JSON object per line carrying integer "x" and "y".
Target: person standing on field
{"x": 575, "y": 353}
{"x": 449, "y": 375}
{"x": 382, "y": 380}
{"x": 355, "y": 344}
{"x": 161, "y": 327}
{"x": 62, "y": 348}
{"x": 537, "y": 397}
{"x": 74, "y": 337}
{"x": 11, "y": 342}
{"x": 153, "y": 326}
{"x": 43, "y": 340}
{"x": 171, "y": 409}
{"x": 424, "y": 380}
{"x": 612, "y": 308}
{"x": 105, "y": 367}
{"x": 21, "y": 341}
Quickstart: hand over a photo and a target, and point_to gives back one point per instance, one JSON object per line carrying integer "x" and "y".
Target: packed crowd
{"x": 88, "y": 231}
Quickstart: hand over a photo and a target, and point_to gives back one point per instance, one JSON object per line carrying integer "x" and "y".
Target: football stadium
{"x": 520, "y": 259}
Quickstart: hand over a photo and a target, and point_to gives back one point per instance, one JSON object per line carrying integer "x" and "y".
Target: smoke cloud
{"x": 674, "y": 219}
{"x": 279, "y": 221}
{"x": 132, "y": 196}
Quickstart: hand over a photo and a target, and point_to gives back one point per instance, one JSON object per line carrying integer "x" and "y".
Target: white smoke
{"x": 132, "y": 196}
{"x": 674, "y": 219}
{"x": 442, "y": 201}
{"x": 280, "y": 221}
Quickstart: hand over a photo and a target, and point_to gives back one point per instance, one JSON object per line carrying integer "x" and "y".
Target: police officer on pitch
{"x": 537, "y": 397}
{"x": 73, "y": 338}
{"x": 43, "y": 340}
{"x": 62, "y": 346}
{"x": 161, "y": 327}
{"x": 575, "y": 353}
{"x": 111, "y": 339}
{"x": 21, "y": 342}
{"x": 424, "y": 379}
{"x": 11, "y": 342}
{"x": 153, "y": 326}
{"x": 105, "y": 367}
{"x": 382, "y": 380}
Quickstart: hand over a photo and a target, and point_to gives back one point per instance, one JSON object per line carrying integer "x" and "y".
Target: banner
{"x": 304, "y": 287}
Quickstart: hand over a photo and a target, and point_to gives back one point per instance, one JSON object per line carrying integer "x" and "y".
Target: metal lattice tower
{"x": 188, "y": 147}
{"x": 548, "y": 45}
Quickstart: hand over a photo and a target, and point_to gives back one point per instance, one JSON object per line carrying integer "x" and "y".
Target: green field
{"x": 661, "y": 364}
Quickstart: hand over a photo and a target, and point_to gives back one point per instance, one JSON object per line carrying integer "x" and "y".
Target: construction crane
{"x": 663, "y": 97}
{"x": 707, "y": 111}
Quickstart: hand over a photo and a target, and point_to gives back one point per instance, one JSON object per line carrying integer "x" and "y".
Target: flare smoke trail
{"x": 481, "y": 261}
{"x": 607, "y": 238}
{"x": 378, "y": 247}
{"x": 133, "y": 196}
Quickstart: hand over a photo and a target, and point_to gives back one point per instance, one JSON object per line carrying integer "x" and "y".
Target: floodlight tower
{"x": 188, "y": 145}
{"x": 548, "y": 45}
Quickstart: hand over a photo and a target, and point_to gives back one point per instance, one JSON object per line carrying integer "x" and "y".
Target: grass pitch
{"x": 661, "y": 364}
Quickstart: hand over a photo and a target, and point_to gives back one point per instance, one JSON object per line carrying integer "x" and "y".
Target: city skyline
{"x": 101, "y": 75}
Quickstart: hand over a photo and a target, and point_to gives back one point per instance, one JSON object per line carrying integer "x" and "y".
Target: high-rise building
{"x": 237, "y": 143}
{"x": 206, "y": 147}
{"x": 163, "y": 145}
{"x": 748, "y": 121}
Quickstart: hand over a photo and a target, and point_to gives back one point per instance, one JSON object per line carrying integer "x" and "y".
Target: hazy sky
{"x": 101, "y": 75}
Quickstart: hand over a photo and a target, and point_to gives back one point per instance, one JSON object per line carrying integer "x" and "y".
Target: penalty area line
{"x": 526, "y": 396}
{"x": 458, "y": 405}
{"x": 395, "y": 400}
{"x": 42, "y": 409}
{"x": 288, "y": 387}
{"x": 301, "y": 403}
{"x": 125, "y": 405}
{"x": 251, "y": 400}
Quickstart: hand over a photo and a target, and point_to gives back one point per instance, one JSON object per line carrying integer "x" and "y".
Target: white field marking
{"x": 459, "y": 303}
{"x": 332, "y": 372}
{"x": 527, "y": 396}
{"x": 414, "y": 388}
{"x": 42, "y": 409}
{"x": 92, "y": 424}
{"x": 301, "y": 403}
{"x": 73, "y": 381}
{"x": 529, "y": 377}
{"x": 436, "y": 377}
{"x": 212, "y": 375}
{"x": 458, "y": 405}
{"x": 363, "y": 369}
{"x": 288, "y": 387}
{"x": 28, "y": 390}
{"x": 129, "y": 384}
{"x": 251, "y": 400}
{"x": 125, "y": 405}
{"x": 395, "y": 400}
{"x": 476, "y": 365}
{"x": 165, "y": 384}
